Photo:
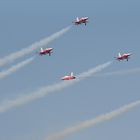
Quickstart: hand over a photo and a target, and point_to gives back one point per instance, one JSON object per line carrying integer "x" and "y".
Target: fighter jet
{"x": 45, "y": 51}
{"x": 69, "y": 77}
{"x": 81, "y": 20}
{"x": 123, "y": 56}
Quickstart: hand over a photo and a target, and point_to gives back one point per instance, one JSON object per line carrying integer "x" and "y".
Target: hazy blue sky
{"x": 114, "y": 26}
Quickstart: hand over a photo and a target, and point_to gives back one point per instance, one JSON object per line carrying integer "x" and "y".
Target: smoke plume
{"x": 44, "y": 91}
{"x": 44, "y": 42}
{"x": 15, "y": 68}
{"x": 92, "y": 122}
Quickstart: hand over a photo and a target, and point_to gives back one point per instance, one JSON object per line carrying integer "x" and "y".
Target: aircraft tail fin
{"x": 41, "y": 49}
{"x": 71, "y": 74}
{"x": 119, "y": 54}
{"x": 77, "y": 19}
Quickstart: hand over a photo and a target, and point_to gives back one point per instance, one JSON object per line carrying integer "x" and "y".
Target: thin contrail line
{"x": 120, "y": 72}
{"x": 44, "y": 91}
{"x": 15, "y": 68}
{"x": 13, "y": 56}
{"x": 92, "y": 122}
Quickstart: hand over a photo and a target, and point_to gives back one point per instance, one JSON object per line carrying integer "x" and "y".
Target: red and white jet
{"x": 81, "y": 20}
{"x": 123, "y": 56}
{"x": 45, "y": 51}
{"x": 69, "y": 77}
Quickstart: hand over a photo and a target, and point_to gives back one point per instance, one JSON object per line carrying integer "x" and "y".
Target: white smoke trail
{"x": 15, "y": 68}
{"x": 44, "y": 91}
{"x": 121, "y": 72}
{"x": 10, "y": 58}
{"x": 93, "y": 122}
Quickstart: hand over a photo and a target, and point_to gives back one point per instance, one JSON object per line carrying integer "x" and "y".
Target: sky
{"x": 113, "y": 27}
